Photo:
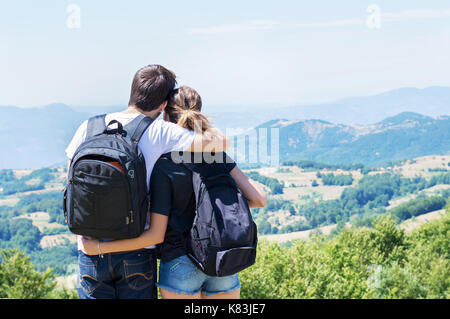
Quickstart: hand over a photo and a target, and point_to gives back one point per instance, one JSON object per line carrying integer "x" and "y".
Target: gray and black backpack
{"x": 106, "y": 194}
{"x": 223, "y": 238}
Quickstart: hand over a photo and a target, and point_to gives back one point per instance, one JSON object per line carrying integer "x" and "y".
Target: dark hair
{"x": 184, "y": 106}
{"x": 151, "y": 87}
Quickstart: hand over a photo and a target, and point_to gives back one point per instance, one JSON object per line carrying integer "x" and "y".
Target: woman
{"x": 173, "y": 211}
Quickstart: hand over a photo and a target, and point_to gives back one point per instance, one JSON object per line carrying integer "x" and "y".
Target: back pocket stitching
{"x": 129, "y": 275}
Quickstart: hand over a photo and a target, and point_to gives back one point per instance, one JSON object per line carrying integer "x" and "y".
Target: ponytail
{"x": 193, "y": 120}
{"x": 184, "y": 106}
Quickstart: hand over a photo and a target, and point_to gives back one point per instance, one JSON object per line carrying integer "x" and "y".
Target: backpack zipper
{"x": 130, "y": 219}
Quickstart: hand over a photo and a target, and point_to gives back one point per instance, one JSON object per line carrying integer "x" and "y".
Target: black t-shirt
{"x": 172, "y": 195}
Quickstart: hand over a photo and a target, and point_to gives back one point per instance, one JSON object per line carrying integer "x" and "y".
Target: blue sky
{"x": 233, "y": 52}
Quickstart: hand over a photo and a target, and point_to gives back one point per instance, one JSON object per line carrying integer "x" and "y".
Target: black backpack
{"x": 106, "y": 194}
{"x": 223, "y": 237}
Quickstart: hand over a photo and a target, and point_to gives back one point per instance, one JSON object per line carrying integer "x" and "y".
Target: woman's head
{"x": 184, "y": 108}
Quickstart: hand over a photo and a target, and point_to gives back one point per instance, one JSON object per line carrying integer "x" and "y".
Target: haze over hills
{"x": 431, "y": 101}
{"x": 36, "y": 137}
{"x": 331, "y": 132}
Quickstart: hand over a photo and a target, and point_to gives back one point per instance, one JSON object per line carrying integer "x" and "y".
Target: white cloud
{"x": 327, "y": 24}
{"x": 251, "y": 25}
{"x": 415, "y": 15}
{"x": 260, "y": 25}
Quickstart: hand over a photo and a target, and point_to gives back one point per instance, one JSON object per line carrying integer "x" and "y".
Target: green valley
{"x": 304, "y": 198}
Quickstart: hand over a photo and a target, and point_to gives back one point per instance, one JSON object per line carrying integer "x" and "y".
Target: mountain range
{"x": 366, "y": 110}
{"x": 398, "y": 124}
{"x": 404, "y": 136}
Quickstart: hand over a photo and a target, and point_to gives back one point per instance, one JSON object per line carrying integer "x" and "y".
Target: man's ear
{"x": 162, "y": 106}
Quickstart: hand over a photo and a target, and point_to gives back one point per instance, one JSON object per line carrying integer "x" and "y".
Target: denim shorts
{"x": 180, "y": 275}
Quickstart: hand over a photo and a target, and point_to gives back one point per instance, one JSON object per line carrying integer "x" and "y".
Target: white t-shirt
{"x": 160, "y": 137}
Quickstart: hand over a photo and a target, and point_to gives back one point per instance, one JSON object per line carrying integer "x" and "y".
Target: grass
{"x": 415, "y": 222}
{"x": 57, "y": 240}
{"x": 305, "y": 234}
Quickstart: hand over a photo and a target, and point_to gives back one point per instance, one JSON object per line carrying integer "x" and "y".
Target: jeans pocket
{"x": 182, "y": 268}
{"x": 139, "y": 272}
{"x": 88, "y": 274}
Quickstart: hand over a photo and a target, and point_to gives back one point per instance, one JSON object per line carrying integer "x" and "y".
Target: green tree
{"x": 63, "y": 293}
{"x": 364, "y": 262}
{"x": 418, "y": 206}
{"x": 19, "y": 279}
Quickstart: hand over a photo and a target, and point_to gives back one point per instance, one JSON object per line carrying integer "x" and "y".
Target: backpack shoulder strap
{"x": 136, "y": 128}
{"x": 196, "y": 181}
{"x": 96, "y": 125}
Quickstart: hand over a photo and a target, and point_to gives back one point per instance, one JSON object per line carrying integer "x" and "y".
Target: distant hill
{"x": 431, "y": 101}
{"x": 37, "y": 137}
{"x": 404, "y": 136}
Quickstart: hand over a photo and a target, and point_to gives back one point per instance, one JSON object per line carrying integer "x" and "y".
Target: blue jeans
{"x": 127, "y": 275}
{"x": 180, "y": 275}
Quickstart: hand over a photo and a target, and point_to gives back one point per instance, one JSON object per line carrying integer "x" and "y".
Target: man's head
{"x": 151, "y": 87}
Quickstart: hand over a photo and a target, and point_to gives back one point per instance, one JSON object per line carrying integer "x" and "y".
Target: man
{"x": 133, "y": 274}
